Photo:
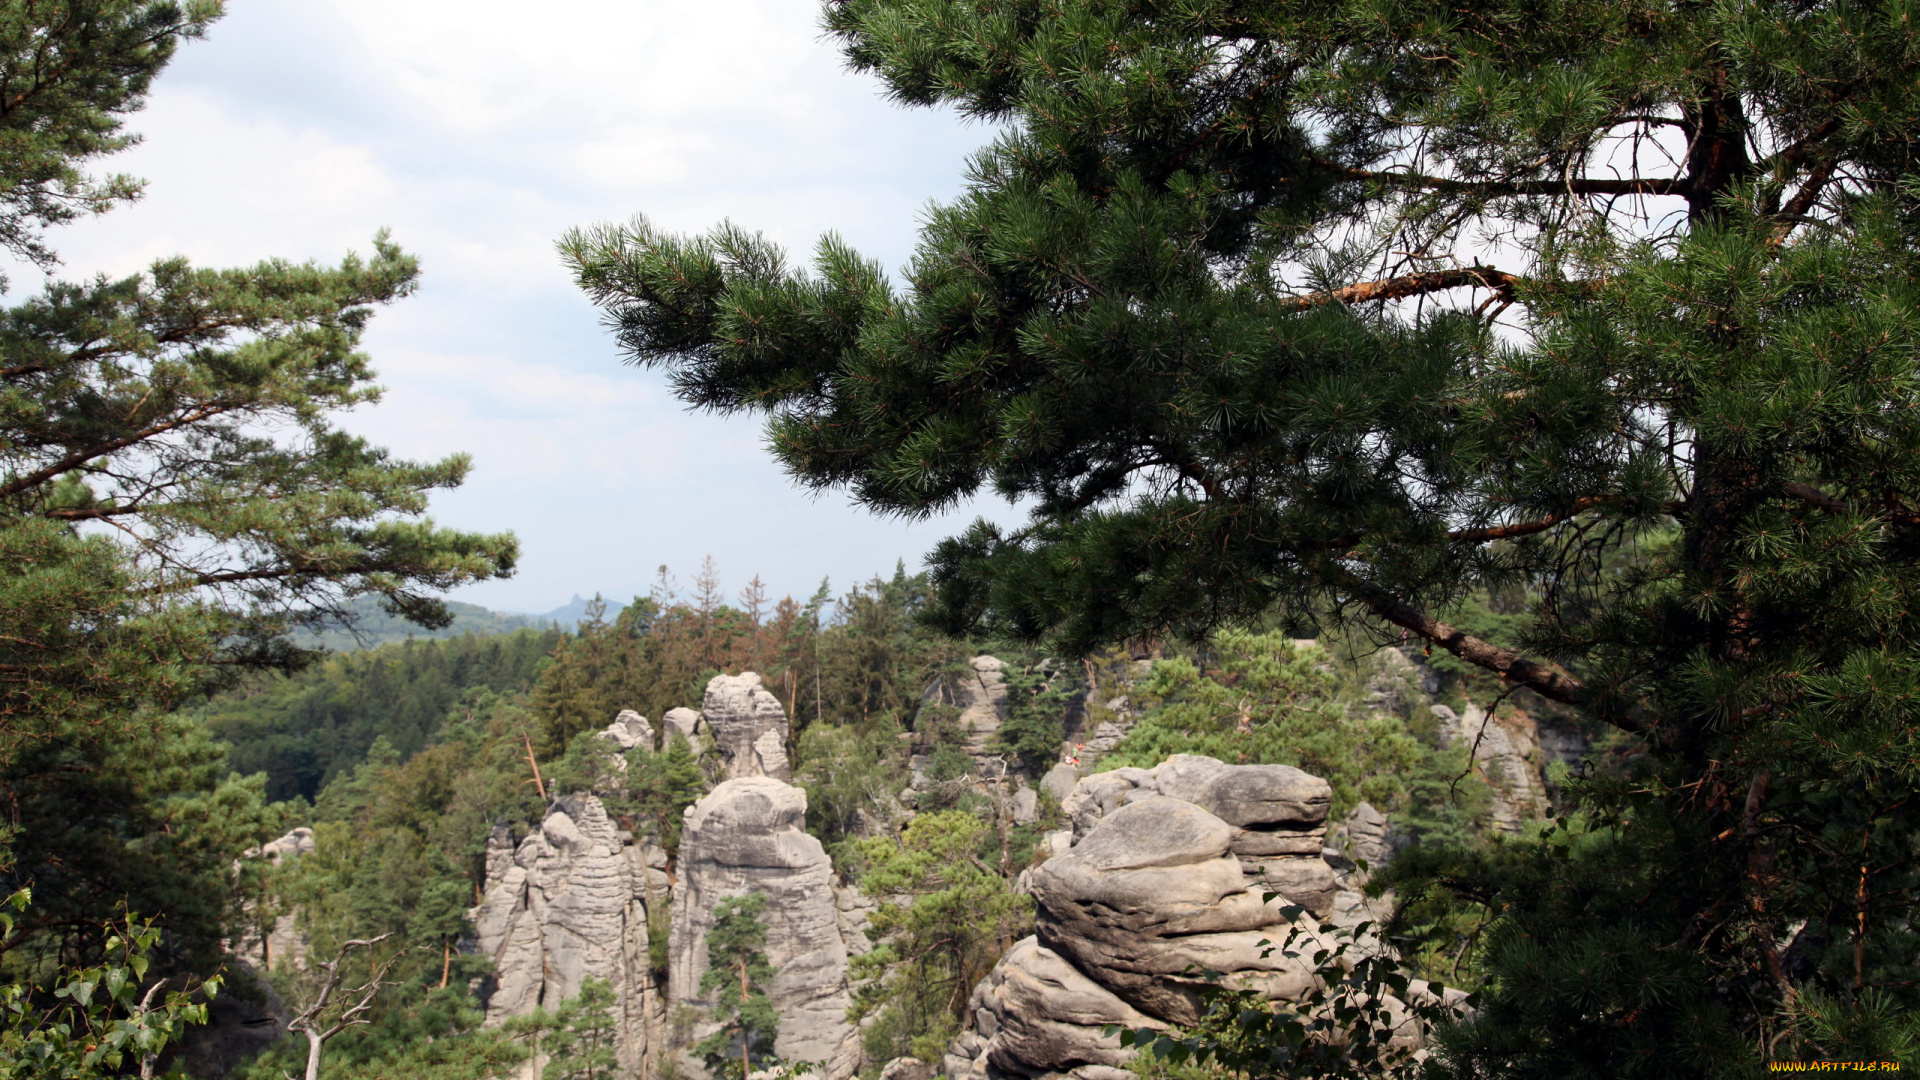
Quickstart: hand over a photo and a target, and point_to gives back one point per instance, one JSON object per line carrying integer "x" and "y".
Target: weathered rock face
{"x": 283, "y": 943}
{"x": 1037, "y": 1013}
{"x": 628, "y": 730}
{"x": 684, "y": 723}
{"x": 1512, "y": 753}
{"x": 1278, "y": 815}
{"x": 982, "y": 698}
{"x": 749, "y": 726}
{"x": 567, "y": 903}
{"x": 1161, "y": 883}
{"x": 747, "y": 836}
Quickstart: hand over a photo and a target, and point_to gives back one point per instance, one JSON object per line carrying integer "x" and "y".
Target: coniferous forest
{"x": 1461, "y": 626}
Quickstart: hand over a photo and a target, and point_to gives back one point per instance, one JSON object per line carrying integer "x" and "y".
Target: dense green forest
{"x": 434, "y": 743}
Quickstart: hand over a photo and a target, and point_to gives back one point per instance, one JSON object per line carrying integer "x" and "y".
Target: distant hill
{"x": 376, "y": 627}
{"x": 569, "y": 614}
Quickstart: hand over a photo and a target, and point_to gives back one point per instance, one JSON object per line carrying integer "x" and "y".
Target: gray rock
{"x": 1060, "y": 780}
{"x": 1163, "y": 879}
{"x": 628, "y": 730}
{"x": 1367, "y": 835}
{"x": 747, "y": 836}
{"x": 1506, "y": 755}
{"x": 685, "y": 723}
{"x": 284, "y": 942}
{"x": 1044, "y": 1015}
{"x": 749, "y": 726}
{"x": 1267, "y": 796}
{"x": 906, "y": 1068}
{"x": 1156, "y": 831}
{"x": 982, "y": 698}
{"x": 1151, "y": 894}
{"x": 567, "y": 903}
{"x": 1026, "y": 806}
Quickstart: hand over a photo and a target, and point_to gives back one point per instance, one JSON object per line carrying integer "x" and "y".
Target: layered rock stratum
{"x": 1167, "y": 878}
{"x": 568, "y": 902}
{"x": 748, "y": 835}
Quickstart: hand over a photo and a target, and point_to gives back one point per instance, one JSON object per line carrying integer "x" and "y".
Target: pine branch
{"x": 1581, "y": 185}
{"x": 1396, "y": 288}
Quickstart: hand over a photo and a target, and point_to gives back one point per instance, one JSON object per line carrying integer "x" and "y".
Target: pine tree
{"x": 1353, "y": 310}
{"x": 581, "y": 1042}
{"x": 735, "y": 984}
{"x": 175, "y": 494}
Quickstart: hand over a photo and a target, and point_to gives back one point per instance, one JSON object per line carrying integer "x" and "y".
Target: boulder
{"x": 1153, "y": 896}
{"x": 747, "y": 835}
{"x": 749, "y": 726}
{"x": 1059, "y": 780}
{"x": 628, "y": 730}
{"x": 1161, "y": 885}
{"x": 1026, "y": 806}
{"x": 1038, "y": 1013}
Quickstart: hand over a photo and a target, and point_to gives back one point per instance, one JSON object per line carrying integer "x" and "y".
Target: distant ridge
{"x": 569, "y": 614}
{"x": 377, "y": 628}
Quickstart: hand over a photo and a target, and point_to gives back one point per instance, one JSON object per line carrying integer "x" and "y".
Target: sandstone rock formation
{"x": 283, "y": 943}
{"x": 628, "y": 730}
{"x": 1512, "y": 753}
{"x": 684, "y": 723}
{"x": 568, "y": 902}
{"x": 1158, "y": 887}
{"x": 749, "y": 726}
{"x": 747, "y": 836}
{"x": 1277, "y": 812}
{"x": 982, "y": 698}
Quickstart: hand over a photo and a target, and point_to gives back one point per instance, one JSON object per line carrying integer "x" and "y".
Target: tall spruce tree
{"x": 175, "y": 493}
{"x": 1355, "y": 307}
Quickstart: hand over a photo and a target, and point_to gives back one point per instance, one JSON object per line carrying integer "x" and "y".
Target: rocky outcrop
{"x": 749, "y": 726}
{"x": 1512, "y": 753}
{"x": 981, "y": 696}
{"x": 747, "y": 836}
{"x": 569, "y": 902}
{"x": 1278, "y": 815}
{"x": 283, "y": 942}
{"x": 628, "y": 730}
{"x": 684, "y": 723}
{"x": 1168, "y": 878}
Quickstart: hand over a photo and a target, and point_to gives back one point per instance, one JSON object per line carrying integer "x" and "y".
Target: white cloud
{"x": 479, "y": 131}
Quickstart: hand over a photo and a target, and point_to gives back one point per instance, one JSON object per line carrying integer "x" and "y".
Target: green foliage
{"x": 1038, "y": 697}
{"x": 305, "y": 729}
{"x": 1264, "y": 700}
{"x": 851, "y": 779}
{"x": 95, "y": 1021}
{"x": 1356, "y": 312}
{"x": 175, "y": 494}
{"x": 580, "y": 1041}
{"x": 69, "y": 75}
{"x": 944, "y": 919}
{"x": 150, "y": 817}
{"x": 373, "y": 627}
{"x": 735, "y": 986}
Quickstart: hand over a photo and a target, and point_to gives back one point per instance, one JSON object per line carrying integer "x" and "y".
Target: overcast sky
{"x": 478, "y": 132}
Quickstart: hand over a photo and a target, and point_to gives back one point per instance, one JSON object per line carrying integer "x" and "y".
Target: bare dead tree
{"x": 320, "y": 1021}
